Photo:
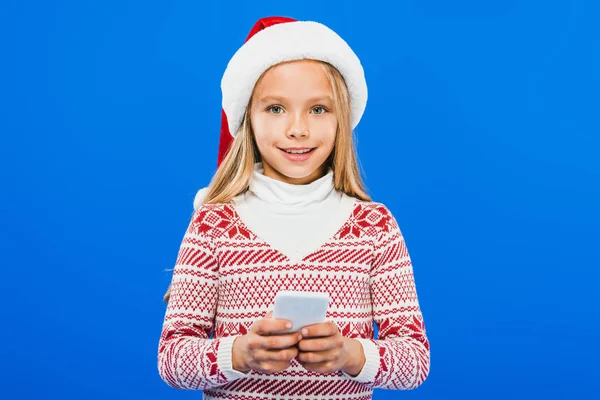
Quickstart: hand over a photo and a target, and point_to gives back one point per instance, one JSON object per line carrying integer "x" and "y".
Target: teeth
{"x": 297, "y": 151}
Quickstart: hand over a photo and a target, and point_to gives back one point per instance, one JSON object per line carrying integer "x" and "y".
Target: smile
{"x": 298, "y": 154}
{"x": 300, "y": 151}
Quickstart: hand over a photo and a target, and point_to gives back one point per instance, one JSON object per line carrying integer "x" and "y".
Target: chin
{"x": 300, "y": 172}
{"x": 295, "y": 171}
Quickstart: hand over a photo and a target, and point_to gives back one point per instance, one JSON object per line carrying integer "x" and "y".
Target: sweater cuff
{"x": 371, "y": 367}
{"x": 224, "y": 358}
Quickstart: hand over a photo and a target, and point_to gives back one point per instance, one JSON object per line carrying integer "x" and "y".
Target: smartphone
{"x": 301, "y": 308}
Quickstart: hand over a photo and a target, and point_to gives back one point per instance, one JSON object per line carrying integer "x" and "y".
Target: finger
{"x": 271, "y": 367}
{"x": 320, "y": 330}
{"x": 280, "y": 341}
{"x": 290, "y": 353}
{"x": 315, "y": 357}
{"x": 275, "y": 355}
{"x": 268, "y": 326}
{"x": 322, "y": 367}
{"x": 319, "y": 344}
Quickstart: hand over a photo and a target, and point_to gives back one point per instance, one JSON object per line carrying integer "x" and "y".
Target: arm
{"x": 399, "y": 358}
{"x": 187, "y": 357}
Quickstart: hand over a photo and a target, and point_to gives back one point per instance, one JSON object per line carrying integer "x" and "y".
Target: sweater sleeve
{"x": 399, "y": 358}
{"x": 187, "y": 357}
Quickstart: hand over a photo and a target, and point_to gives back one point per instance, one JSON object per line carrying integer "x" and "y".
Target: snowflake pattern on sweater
{"x": 225, "y": 278}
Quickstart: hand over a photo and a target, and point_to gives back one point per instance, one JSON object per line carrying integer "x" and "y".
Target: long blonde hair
{"x": 234, "y": 173}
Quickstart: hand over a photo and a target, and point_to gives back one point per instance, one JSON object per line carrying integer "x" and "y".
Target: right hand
{"x": 263, "y": 348}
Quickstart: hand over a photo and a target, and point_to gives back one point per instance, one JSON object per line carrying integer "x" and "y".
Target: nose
{"x": 298, "y": 127}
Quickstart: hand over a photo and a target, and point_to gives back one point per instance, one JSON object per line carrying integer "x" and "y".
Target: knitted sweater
{"x": 226, "y": 277}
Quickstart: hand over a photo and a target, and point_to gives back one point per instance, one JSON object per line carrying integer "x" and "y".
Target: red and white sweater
{"x": 226, "y": 277}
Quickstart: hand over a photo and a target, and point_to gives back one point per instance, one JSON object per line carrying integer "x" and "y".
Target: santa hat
{"x": 271, "y": 41}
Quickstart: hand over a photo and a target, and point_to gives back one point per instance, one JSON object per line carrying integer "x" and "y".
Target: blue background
{"x": 481, "y": 135}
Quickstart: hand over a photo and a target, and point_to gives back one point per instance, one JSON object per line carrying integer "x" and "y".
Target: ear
{"x": 200, "y": 196}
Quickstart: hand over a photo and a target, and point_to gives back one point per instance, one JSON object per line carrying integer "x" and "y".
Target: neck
{"x": 272, "y": 173}
{"x": 294, "y": 219}
{"x": 283, "y": 194}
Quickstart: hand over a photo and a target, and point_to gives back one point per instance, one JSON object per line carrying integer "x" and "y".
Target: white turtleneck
{"x": 294, "y": 219}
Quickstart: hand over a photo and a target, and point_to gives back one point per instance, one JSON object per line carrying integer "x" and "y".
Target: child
{"x": 286, "y": 210}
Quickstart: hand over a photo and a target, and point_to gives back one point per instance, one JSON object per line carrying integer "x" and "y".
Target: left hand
{"x": 323, "y": 349}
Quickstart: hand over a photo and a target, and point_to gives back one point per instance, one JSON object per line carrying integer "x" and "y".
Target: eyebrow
{"x": 282, "y": 99}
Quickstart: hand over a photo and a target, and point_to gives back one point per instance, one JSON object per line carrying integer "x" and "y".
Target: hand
{"x": 264, "y": 350}
{"x": 323, "y": 349}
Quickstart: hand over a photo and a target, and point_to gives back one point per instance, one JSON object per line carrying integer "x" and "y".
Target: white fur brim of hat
{"x": 289, "y": 41}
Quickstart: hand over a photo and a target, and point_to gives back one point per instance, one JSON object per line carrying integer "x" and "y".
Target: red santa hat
{"x": 271, "y": 41}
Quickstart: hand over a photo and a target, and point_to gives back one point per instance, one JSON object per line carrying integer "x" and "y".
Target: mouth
{"x": 297, "y": 150}
{"x": 297, "y": 154}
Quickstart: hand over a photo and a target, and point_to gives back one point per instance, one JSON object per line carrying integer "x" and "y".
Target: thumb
{"x": 269, "y": 314}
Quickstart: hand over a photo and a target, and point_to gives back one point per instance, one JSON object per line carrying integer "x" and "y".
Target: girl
{"x": 286, "y": 210}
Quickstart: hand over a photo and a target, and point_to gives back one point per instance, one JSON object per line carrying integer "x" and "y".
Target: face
{"x": 294, "y": 121}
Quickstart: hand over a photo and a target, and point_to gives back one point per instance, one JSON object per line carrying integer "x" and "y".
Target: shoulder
{"x": 199, "y": 198}
{"x": 211, "y": 219}
{"x": 375, "y": 215}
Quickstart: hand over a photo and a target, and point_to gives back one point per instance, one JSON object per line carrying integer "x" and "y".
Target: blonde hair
{"x": 233, "y": 175}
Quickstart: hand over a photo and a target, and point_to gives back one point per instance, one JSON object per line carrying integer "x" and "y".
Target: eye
{"x": 275, "y": 109}
{"x": 319, "y": 110}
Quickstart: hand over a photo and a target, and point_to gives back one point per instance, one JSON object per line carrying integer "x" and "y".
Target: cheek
{"x": 260, "y": 131}
{"x": 262, "y": 143}
{"x": 266, "y": 129}
{"x": 327, "y": 131}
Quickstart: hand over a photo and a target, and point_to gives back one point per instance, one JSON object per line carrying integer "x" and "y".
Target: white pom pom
{"x": 200, "y": 197}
